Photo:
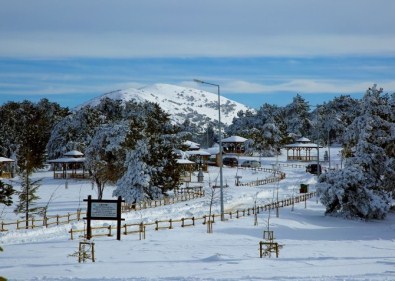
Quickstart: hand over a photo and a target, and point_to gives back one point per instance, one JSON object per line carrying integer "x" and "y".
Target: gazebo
{"x": 6, "y": 168}
{"x": 301, "y": 150}
{"x": 69, "y": 166}
{"x": 234, "y": 144}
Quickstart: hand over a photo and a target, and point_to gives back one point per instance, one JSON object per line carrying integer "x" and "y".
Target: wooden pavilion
{"x": 69, "y": 166}
{"x": 234, "y": 144}
{"x": 200, "y": 157}
{"x": 301, "y": 150}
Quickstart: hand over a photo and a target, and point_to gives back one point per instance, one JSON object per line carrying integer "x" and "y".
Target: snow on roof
{"x": 303, "y": 145}
{"x": 67, "y": 160}
{"x": 213, "y": 150}
{"x": 234, "y": 139}
{"x": 184, "y": 161}
{"x": 192, "y": 145}
{"x": 74, "y": 153}
{"x": 3, "y": 159}
{"x": 303, "y": 139}
{"x": 198, "y": 152}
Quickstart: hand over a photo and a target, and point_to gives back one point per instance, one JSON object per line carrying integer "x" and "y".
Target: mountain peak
{"x": 182, "y": 103}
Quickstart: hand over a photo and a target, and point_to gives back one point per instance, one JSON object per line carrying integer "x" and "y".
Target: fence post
{"x": 109, "y": 231}
{"x": 171, "y": 225}
{"x": 260, "y": 249}
{"x": 57, "y": 219}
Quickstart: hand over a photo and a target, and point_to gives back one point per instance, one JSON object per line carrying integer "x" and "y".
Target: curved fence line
{"x": 278, "y": 175}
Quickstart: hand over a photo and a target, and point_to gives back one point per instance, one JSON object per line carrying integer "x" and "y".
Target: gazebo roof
{"x": 234, "y": 139}
{"x": 304, "y": 140}
{"x": 198, "y": 152}
{"x": 192, "y": 145}
{"x": 74, "y": 153}
{"x": 3, "y": 159}
{"x": 184, "y": 162}
{"x": 302, "y": 145}
{"x": 67, "y": 160}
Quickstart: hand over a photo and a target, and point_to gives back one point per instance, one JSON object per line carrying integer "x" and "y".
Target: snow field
{"x": 316, "y": 247}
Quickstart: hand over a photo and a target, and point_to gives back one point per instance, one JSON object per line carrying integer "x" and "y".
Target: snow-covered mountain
{"x": 181, "y": 103}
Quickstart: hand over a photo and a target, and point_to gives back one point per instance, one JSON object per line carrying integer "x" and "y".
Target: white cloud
{"x": 306, "y": 86}
{"x": 127, "y": 45}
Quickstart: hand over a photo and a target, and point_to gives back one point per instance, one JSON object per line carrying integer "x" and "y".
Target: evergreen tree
{"x": 6, "y": 192}
{"x": 297, "y": 117}
{"x": 105, "y": 155}
{"x": 359, "y": 189}
{"x": 27, "y": 197}
{"x": 134, "y": 185}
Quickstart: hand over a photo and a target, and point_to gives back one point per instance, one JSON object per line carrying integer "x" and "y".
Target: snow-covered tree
{"x": 360, "y": 188}
{"x": 135, "y": 183}
{"x": 296, "y": 116}
{"x": 105, "y": 154}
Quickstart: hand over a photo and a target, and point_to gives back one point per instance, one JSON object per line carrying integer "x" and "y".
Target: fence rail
{"x": 47, "y": 221}
{"x": 278, "y": 175}
{"x": 168, "y": 224}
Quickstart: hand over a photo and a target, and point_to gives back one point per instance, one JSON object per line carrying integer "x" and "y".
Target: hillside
{"x": 182, "y": 103}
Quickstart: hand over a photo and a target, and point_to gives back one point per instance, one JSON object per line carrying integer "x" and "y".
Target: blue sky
{"x": 257, "y": 51}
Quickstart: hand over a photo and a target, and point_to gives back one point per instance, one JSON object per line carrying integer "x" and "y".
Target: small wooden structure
{"x": 69, "y": 166}
{"x": 6, "y": 168}
{"x": 187, "y": 167}
{"x": 234, "y": 144}
{"x": 301, "y": 150}
{"x": 192, "y": 145}
{"x": 200, "y": 157}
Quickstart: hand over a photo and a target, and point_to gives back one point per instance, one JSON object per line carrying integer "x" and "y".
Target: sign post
{"x": 103, "y": 210}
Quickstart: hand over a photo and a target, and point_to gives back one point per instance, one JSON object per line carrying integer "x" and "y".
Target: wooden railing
{"x": 70, "y": 217}
{"x": 278, "y": 175}
{"x": 181, "y": 222}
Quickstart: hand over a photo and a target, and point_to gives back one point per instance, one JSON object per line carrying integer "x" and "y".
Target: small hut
{"x": 69, "y": 166}
{"x": 200, "y": 157}
{"x": 6, "y": 168}
{"x": 301, "y": 150}
{"x": 187, "y": 167}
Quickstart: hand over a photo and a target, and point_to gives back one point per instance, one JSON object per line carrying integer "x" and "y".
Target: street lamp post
{"x": 220, "y": 146}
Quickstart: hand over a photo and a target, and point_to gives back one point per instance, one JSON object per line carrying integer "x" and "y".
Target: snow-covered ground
{"x": 316, "y": 247}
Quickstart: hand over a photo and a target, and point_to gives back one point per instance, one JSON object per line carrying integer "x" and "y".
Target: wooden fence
{"x": 278, "y": 175}
{"x": 191, "y": 221}
{"x": 181, "y": 195}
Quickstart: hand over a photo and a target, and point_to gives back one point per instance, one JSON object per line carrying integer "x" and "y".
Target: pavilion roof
{"x": 74, "y": 153}
{"x": 234, "y": 139}
{"x": 67, "y": 160}
{"x": 3, "y": 159}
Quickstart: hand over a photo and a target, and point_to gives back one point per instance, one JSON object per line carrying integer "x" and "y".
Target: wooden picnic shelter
{"x": 301, "y": 150}
{"x": 234, "y": 144}
{"x": 69, "y": 166}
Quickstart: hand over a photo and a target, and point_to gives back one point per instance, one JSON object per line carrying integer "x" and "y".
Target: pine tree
{"x": 134, "y": 185}
{"x": 27, "y": 197}
{"x": 359, "y": 189}
{"x": 6, "y": 192}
